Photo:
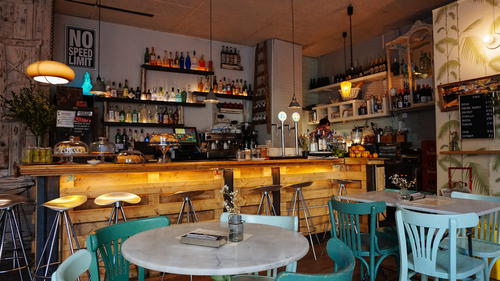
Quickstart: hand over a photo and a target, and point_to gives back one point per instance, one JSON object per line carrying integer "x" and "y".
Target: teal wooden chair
{"x": 344, "y": 263}
{"x": 107, "y": 241}
{"x": 486, "y": 235}
{"x": 73, "y": 266}
{"x": 420, "y": 236}
{"x": 373, "y": 245}
{"x": 287, "y": 222}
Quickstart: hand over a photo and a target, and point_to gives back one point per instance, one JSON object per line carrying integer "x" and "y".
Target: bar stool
{"x": 266, "y": 200}
{"x": 342, "y": 185}
{"x": 298, "y": 199}
{"x": 117, "y": 199}
{"x": 8, "y": 218}
{"x": 61, "y": 205}
{"x": 186, "y": 196}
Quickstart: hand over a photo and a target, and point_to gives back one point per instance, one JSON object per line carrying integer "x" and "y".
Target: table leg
{"x": 469, "y": 240}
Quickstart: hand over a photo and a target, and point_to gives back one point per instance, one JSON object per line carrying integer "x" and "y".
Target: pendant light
{"x": 211, "y": 97}
{"x": 99, "y": 87}
{"x": 50, "y": 72}
{"x": 293, "y": 103}
{"x": 345, "y": 86}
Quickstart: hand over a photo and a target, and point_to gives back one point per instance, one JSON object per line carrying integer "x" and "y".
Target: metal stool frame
{"x": 114, "y": 218}
{"x": 191, "y": 213}
{"x": 267, "y": 202}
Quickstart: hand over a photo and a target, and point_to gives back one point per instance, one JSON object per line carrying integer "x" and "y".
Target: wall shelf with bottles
{"x": 225, "y": 96}
{"x": 165, "y": 103}
{"x": 176, "y": 70}
{"x": 415, "y": 107}
{"x": 368, "y": 78}
{"x": 352, "y": 110}
{"x": 139, "y": 125}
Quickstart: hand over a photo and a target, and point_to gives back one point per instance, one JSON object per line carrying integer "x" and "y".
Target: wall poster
{"x": 80, "y": 47}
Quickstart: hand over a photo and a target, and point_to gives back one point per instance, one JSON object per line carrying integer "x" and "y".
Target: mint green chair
{"x": 287, "y": 222}
{"x": 343, "y": 260}
{"x": 485, "y": 243}
{"x": 374, "y": 245}
{"x": 71, "y": 268}
{"x": 106, "y": 243}
{"x": 423, "y": 234}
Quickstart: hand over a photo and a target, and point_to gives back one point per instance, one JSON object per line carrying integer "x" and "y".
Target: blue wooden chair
{"x": 287, "y": 222}
{"x": 420, "y": 236}
{"x": 374, "y": 245}
{"x": 343, "y": 260}
{"x": 73, "y": 266}
{"x": 485, "y": 243}
{"x": 106, "y": 243}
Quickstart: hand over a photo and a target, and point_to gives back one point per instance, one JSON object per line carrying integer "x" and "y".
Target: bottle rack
{"x": 348, "y": 111}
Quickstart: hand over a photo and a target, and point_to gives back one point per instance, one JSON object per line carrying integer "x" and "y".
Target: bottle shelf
{"x": 330, "y": 88}
{"x": 176, "y": 70}
{"x": 415, "y": 107}
{"x": 149, "y": 125}
{"x": 339, "y": 109}
{"x": 123, "y": 100}
{"x": 225, "y": 96}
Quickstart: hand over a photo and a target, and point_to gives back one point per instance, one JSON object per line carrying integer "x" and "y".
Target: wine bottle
{"x": 181, "y": 61}
{"x": 188, "y": 61}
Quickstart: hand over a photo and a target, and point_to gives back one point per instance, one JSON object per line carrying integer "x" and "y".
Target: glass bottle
{"x": 118, "y": 140}
{"x": 181, "y": 61}
{"x": 200, "y": 85}
{"x": 146, "y": 56}
{"x": 171, "y": 95}
{"x": 166, "y": 118}
{"x": 152, "y": 56}
{"x": 125, "y": 139}
{"x": 159, "y": 114}
{"x": 183, "y": 95}
{"x": 178, "y": 97}
{"x": 128, "y": 115}
{"x": 111, "y": 114}
{"x": 201, "y": 63}
{"x": 135, "y": 116}
{"x": 144, "y": 114}
{"x": 125, "y": 89}
{"x": 170, "y": 60}
{"x": 117, "y": 114}
{"x": 188, "y": 61}
{"x": 165, "y": 59}
{"x": 176, "y": 60}
{"x": 194, "y": 61}
{"x": 122, "y": 115}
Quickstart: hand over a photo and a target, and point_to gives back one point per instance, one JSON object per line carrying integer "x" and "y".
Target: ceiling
{"x": 318, "y": 23}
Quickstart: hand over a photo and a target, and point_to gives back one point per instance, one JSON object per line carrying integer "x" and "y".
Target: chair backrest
{"x": 345, "y": 222}
{"x": 488, "y": 224}
{"x": 71, "y": 268}
{"x": 286, "y": 222}
{"x": 423, "y": 233}
{"x": 108, "y": 242}
{"x": 344, "y": 265}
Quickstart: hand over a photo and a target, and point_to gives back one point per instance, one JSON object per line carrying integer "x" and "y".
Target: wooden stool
{"x": 186, "y": 196}
{"x": 117, "y": 199}
{"x": 8, "y": 218}
{"x": 265, "y": 199}
{"x": 61, "y": 205}
{"x": 298, "y": 199}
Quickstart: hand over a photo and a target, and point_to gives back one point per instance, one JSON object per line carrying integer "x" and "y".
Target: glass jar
{"x": 70, "y": 148}
{"x": 102, "y": 148}
{"x": 130, "y": 157}
{"x": 235, "y": 225}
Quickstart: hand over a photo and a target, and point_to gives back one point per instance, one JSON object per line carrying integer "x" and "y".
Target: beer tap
{"x": 282, "y": 117}
{"x": 296, "y": 119}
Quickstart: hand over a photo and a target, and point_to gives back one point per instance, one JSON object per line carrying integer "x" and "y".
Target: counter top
{"x": 68, "y": 169}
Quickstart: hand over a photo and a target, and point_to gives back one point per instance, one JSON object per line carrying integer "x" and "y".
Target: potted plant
{"x": 235, "y": 222}
{"x": 404, "y": 185}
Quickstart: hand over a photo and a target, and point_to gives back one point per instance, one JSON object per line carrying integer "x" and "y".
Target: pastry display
{"x": 129, "y": 157}
{"x": 102, "y": 147}
{"x": 163, "y": 139}
{"x": 71, "y": 147}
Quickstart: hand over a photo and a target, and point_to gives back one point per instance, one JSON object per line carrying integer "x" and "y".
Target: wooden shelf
{"x": 224, "y": 96}
{"x": 149, "y": 125}
{"x": 415, "y": 107}
{"x": 177, "y": 70}
{"x": 330, "y": 88}
{"x": 463, "y": 152}
{"x": 353, "y": 105}
{"x": 122, "y": 100}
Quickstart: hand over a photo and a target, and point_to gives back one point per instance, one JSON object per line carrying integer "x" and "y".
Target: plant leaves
{"x": 447, "y": 66}
{"x": 452, "y": 15}
{"x": 446, "y": 160}
{"x": 454, "y": 74}
{"x": 473, "y": 50}
{"x": 472, "y": 25}
{"x": 454, "y": 27}
{"x": 494, "y": 63}
{"x": 447, "y": 126}
{"x": 441, "y": 44}
{"x": 439, "y": 14}
{"x": 440, "y": 29}
{"x": 480, "y": 177}
{"x": 444, "y": 146}
{"x": 495, "y": 26}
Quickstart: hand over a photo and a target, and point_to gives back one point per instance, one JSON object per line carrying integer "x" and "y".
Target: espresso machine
{"x": 219, "y": 145}
{"x": 248, "y": 136}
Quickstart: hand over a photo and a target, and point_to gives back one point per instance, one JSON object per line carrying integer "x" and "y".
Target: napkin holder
{"x": 203, "y": 239}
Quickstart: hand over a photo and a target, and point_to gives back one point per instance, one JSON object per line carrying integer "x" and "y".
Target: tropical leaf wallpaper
{"x": 460, "y": 54}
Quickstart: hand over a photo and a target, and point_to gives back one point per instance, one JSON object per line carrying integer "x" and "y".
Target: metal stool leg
{"x": 122, "y": 211}
{"x": 260, "y": 203}
{"x": 112, "y": 217}
{"x": 181, "y": 213}
{"x": 50, "y": 239}
{"x": 294, "y": 200}
{"x": 270, "y": 205}
{"x": 306, "y": 216}
{"x": 193, "y": 212}
{"x": 18, "y": 231}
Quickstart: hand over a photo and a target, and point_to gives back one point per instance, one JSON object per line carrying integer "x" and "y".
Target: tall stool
{"x": 117, "y": 199}
{"x": 61, "y": 205}
{"x": 342, "y": 185}
{"x": 266, "y": 200}
{"x": 191, "y": 213}
{"x": 298, "y": 199}
{"x": 8, "y": 218}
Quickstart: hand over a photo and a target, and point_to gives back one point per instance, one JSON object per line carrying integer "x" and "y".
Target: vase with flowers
{"x": 404, "y": 185}
{"x": 235, "y": 222}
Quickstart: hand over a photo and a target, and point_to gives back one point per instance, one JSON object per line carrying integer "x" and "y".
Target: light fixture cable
{"x": 294, "y": 103}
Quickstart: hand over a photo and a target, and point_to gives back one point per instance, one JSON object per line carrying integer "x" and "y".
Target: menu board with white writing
{"x": 477, "y": 116}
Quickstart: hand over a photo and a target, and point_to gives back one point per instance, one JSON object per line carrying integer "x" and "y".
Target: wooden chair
{"x": 73, "y": 266}
{"x": 107, "y": 242}
{"x": 485, "y": 243}
{"x": 374, "y": 245}
{"x": 423, "y": 233}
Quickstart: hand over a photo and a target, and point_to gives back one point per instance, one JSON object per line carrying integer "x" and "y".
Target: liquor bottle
{"x": 176, "y": 60}
{"x": 223, "y": 55}
{"x": 154, "y": 116}
{"x": 128, "y": 115}
{"x": 148, "y": 95}
{"x": 130, "y": 138}
{"x": 111, "y": 114}
{"x": 136, "y": 136}
{"x": 188, "y": 61}
{"x": 171, "y": 95}
{"x": 210, "y": 65}
{"x": 144, "y": 114}
{"x": 125, "y": 90}
{"x": 159, "y": 114}
{"x": 135, "y": 116}
{"x": 113, "y": 90}
{"x": 400, "y": 99}
{"x": 122, "y": 115}
{"x": 416, "y": 94}
{"x": 201, "y": 63}
{"x": 142, "y": 135}
{"x": 146, "y": 56}
{"x": 137, "y": 93}
{"x": 165, "y": 59}
{"x": 152, "y": 56}
{"x": 183, "y": 95}
{"x": 200, "y": 85}
{"x": 238, "y": 58}
{"x": 158, "y": 60}
{"x": 214, "y": 85}
{"x": 181, "y": 61}
{"x": 125, "y": 139}
{"x": 117, "y": 114}
{"x": 194, "y": 61}
{"x": 170, "y": 60}
{"x": 118, "y": 140}
{"x": 175, "y": 117}
{"x": 189, "y": 96}
{"x": 166, "y": 117}
{"x": 146, "y": 139}
{"x": 395, "y": 67}
{"x": 178, "y": 97}
{"x": 131, "y": 93}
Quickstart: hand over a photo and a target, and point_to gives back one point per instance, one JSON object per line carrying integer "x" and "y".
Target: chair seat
{"x": 387, "y": 243}
{"x": 66, "y": 202}
{"x": 299, "y": 185}
{"x": 480, "y": 248}
{"x": 10, "y": 200}
{"x": 113, "y": 197}
{"x": 191, "y": 193}
{"x": 251, "y": 278}
{"x": 466, "y": 266}
{"x": 344, "y": 181}
{"x": 268, "y": 188}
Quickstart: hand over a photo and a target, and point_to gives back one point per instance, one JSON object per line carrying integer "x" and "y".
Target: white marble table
{"x": 430, "y": 204}
{"x": 268, "y": 247}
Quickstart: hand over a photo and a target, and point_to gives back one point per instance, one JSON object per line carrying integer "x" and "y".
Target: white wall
{"x": 123, "y": 50}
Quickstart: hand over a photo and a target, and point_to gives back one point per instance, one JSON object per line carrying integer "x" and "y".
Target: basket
{"x": 354, "y": 94}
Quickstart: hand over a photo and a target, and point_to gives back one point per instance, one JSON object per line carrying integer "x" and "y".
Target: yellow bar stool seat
{"x": 265, "y": 199}
{"x": 9, "y": 226}
{"x": 186, "y": 196}
{"x": 117, "y": 199}
{"x": 62, "y": 220}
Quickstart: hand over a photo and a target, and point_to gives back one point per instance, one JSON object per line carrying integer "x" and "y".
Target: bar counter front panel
{"x": 156, "y": 183}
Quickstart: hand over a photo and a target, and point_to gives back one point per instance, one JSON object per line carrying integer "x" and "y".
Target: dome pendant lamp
{"x": 50, "y": 72}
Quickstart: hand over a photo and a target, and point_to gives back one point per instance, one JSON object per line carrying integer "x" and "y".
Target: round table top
{"x": 267, "y": 247}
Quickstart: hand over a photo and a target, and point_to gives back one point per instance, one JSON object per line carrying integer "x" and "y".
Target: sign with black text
{"x": 80, "y": 47}
{"x": 477, "y": 116}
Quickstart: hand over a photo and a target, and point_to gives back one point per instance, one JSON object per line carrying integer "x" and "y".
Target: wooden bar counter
{"x": 155, "y": 183}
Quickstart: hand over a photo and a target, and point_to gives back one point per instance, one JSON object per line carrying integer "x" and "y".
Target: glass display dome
{"x": 130, "y": 156}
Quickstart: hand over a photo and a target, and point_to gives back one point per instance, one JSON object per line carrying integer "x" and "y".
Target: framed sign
{"x": 80, "y": 47}
{"x": 449, "y": 93}
{"x": 477, "y": 119}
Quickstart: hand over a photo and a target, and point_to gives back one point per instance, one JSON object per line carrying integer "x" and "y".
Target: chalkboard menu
{"x": 477, "y": 116}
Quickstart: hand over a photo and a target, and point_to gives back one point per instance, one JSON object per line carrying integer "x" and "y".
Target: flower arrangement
{"x": 402, "y": 182}
{"x": 304, "y": 142}
{"x": 231, "y": 200}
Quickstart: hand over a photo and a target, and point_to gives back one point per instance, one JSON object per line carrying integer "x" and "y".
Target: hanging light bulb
{"x": 99, "y": 88}
{"x": 293, "y": 103}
